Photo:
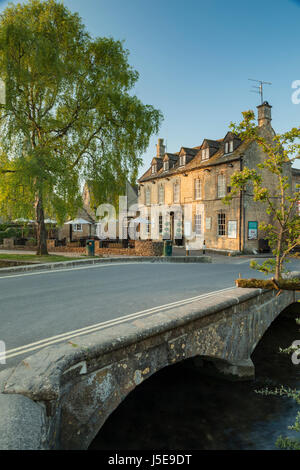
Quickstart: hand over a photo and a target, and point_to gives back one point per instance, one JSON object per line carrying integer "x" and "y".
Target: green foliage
{"x": 70, "y": 113}
{"x": 286, "y": 443}
{"x": 280, "y": 150}
{"x": 10, "y": 232}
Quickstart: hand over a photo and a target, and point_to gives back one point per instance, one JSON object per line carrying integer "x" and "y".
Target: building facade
{"x": 195, "y": 180}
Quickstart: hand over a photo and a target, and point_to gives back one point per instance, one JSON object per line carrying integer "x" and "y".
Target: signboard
{"x": 232, "y": 228}
{"x": 252, "y": 230}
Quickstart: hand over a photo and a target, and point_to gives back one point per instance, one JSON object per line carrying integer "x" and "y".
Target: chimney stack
{"x": 160, "y": 148}
{"x": 264, "y": 114}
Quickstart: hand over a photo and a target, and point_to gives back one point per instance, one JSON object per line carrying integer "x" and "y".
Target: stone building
{"x": 88, "y": 212}
{"x": 194, "y": 180}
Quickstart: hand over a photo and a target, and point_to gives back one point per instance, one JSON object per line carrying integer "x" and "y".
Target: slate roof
{"x": 196, "y": 161}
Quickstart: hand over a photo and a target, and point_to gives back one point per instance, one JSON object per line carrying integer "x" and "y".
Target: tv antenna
{"x": 259, "y": 89}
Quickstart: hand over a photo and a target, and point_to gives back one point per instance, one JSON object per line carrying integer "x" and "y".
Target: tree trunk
{"x": 278, "y": 267}
{"x": 41, "y": 229}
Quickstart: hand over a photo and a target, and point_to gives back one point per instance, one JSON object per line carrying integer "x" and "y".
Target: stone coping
{"x": 30, "y": 391}
{"x": 38, "y": 376}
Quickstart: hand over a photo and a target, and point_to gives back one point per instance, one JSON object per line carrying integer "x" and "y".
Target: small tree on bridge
{"x": 69, "y": 116}
{"x": 281, "y": 151}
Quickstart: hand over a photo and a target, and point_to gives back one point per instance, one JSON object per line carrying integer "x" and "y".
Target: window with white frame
{"x": 228, "y": 147}
{"x": 148, "y": 196}
{"x": 205, "y": 154}
{"x": 176, "y": 192}
{"x": 166, "y": 165}
{"x": 182, "y": 160}
{"x": 148, "y": 225}
{"x": 221, "y": 224}
{"x": 221, "y": 185}
{"x": 77, "y": 227}
{"x": 197, "y": 188}
{"x": 198, "y": 224}
{"x": 160, "y": 224}
{"x": 161, "y": 194}
{"x": 154, "y": 168}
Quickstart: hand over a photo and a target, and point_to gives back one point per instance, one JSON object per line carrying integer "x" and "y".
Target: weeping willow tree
{"x": 69, "y": 115}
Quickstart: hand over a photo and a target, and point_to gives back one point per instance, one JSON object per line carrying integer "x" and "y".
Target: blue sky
{"x": 194, "y": 58}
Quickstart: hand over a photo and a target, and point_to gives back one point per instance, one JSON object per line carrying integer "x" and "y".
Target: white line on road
{"x": 59, "y": 270}
{"x": 99, "y": 326}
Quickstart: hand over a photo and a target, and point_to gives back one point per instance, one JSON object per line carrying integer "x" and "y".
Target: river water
{"x": 183, "y": 408}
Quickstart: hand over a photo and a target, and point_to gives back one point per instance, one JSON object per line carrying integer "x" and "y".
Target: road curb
{"x": 87, "y": 262}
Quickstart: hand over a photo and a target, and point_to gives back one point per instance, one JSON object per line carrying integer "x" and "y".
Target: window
{"x": 197, "y": 189}
{"x": 221, "y": 185}
{"x": 198, "y": 224}
{"x": 148, "y": 225}
{"x": 154, "y": 168}
{"x": 229, "y": 147}
{"x": 77, "y": 227}
{"x": 160, "y": 224}
{"x": 161, "y": 194}
{"x": 182, "y": 160}
{"x": 176, "y": 192}
{"x": 148, "y": 196}
{"x": 221, "y": 224}
{"x": 205, "y": 154}
{"x": 166, "y": 166}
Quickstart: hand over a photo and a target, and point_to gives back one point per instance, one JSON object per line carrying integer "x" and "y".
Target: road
{"x": 40, "y": 306}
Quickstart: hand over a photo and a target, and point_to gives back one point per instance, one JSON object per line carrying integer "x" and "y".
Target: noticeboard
{"x": 252, "y": 230}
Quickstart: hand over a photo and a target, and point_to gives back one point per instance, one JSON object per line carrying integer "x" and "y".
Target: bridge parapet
{"x": 77, "y": 385}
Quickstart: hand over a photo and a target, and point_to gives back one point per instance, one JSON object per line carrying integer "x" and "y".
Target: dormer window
{"x": 229, "y": 147}
{"x": 166, "y": 166}
{"x": 205, "y": 154}
{"x": 182, "y": 160}
{"x": 154, "y": 168}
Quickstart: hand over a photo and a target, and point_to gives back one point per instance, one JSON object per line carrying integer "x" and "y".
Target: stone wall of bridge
{"x": 73, "y": 387}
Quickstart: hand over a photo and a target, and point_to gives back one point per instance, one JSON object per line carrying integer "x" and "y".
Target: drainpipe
{"x": 242, "y": 215}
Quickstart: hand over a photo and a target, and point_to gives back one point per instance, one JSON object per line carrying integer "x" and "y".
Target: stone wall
{"x": 76, "y": 386}
{"x": 148, "y": 248}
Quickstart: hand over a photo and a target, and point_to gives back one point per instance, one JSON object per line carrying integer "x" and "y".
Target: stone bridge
{"x": 60, "y": 397}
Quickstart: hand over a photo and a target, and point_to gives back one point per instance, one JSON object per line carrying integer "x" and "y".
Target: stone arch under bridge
{"x": 69, "y": 390}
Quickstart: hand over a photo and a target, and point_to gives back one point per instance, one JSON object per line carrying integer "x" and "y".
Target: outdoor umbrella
{"x": 50, "y": 221}
{"x": 78, "y": 221}
{"x": 28, "y": 221}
